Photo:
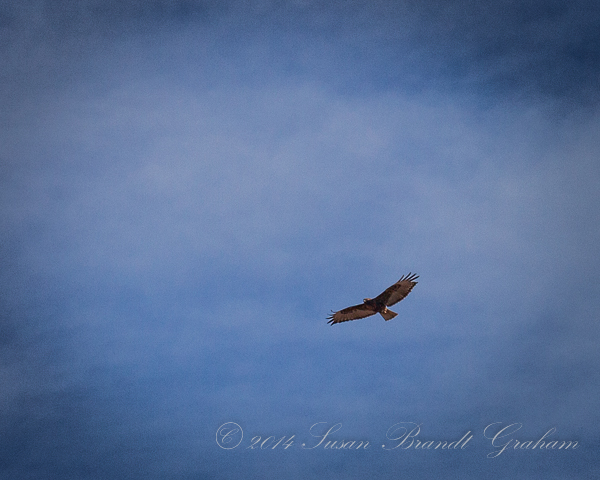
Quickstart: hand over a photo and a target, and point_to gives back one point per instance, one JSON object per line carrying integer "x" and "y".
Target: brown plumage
{"x": 379, "y": 304}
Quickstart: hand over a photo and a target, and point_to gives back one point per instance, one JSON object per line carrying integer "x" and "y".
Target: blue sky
{"x": 188, "y": 188}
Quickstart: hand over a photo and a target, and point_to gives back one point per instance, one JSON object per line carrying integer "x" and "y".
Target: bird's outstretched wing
{"x": 351, "y": 313}
{"x": 398, "y": 290}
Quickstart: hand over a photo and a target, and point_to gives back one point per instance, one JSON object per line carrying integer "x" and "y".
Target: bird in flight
{"x": 370, "y": 306}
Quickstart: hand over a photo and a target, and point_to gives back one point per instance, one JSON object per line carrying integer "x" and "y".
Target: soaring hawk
{"x": 379, "y": 304}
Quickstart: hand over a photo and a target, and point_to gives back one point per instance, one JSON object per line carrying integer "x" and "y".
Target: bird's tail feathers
{"x": 388, "y": 314}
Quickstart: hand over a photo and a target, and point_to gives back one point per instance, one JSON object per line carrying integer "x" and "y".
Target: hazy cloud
{"x": 188, "y": 188}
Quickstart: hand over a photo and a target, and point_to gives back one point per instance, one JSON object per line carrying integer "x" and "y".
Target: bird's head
{"x": 365, "y": 300}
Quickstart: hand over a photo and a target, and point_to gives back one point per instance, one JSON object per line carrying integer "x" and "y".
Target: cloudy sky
{"x": 188, "y": 188}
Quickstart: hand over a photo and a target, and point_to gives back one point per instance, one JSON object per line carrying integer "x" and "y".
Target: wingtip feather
{"x": 411, "y": 277}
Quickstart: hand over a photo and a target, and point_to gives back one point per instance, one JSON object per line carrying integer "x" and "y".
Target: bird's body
{"x": 379, "y": 304}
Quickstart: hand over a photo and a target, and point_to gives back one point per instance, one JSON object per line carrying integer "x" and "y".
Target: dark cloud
{"x": 533, "y": 49}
